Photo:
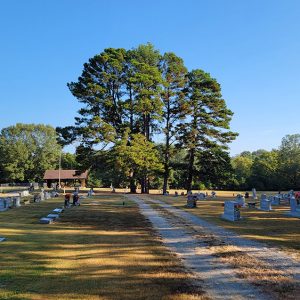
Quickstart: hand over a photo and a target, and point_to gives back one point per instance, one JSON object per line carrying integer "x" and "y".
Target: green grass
{"x": 100, "y": 250}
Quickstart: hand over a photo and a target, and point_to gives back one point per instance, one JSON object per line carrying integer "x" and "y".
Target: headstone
{"x": 35, "y": 185}
{"x": 54, "y": 194}
{"x": 16, "y": 201}
{"x": 42, "y": 196}
{"x": 201, "y": 196}
{"x": 191, "y": 201}
{"x": 47, "y": 195}
{"x": 24, "y": 193}
{"x": 240, "y": 200}
{"x": 2, "y": 239}
{"x": 46, "y": 220}
{"x": 254, "y": 193}
{"x": 276, "y": 200}
{"x": 53, "y": 216}
{"x": 231, "y": 211}
{"x": 3, "y": 204}
{"x": 58, "y": 210}
{"x": 295, "y": 207}
{"x": 45, "y": 185}
{"x": 265, "y": 203}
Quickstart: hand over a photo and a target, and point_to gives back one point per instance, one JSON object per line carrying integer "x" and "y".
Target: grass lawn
{"x": 100, "y": 250}
{"x": 273, "y": 227}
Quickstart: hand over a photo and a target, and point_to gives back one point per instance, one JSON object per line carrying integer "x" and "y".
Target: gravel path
{"x": 219, "y": 280}
{"x": 277, "y": 258}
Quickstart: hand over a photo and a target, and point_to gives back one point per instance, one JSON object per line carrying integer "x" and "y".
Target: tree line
{"x": 27, "y": 150}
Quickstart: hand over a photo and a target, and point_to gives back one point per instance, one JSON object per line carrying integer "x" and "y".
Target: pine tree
{"x": 207, "y": 120}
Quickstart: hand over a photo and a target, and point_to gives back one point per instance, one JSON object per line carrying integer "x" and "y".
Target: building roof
{"x": 65, "y": 174}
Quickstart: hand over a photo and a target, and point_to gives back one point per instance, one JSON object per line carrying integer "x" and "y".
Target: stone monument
{"x": 240, "y": 199}
{"x": 231, "y": 211}
{"x": 265, "y": 203}
{"x": 295, "y": 207}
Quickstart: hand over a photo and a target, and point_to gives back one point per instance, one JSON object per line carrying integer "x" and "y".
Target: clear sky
{"x": 251, "y": 47}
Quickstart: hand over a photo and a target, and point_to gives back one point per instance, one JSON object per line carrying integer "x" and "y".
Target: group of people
{"x": 76, "y": 201}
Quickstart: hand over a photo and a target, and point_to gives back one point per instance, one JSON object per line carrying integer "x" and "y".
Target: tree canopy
{"x": 26, "y": 151}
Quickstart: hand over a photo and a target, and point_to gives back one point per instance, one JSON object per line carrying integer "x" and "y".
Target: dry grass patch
{"x": 274, "y": 228}
{"x": 100, "y": 250}
{"x": 276, "y": 282}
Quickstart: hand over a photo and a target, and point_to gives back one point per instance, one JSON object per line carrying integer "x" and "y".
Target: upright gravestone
{"x": 231, "y": 211}
{"x": 16, "y": 201}
{"x": 295, "y": 207}
{"x": 200, "y": 196}
{"x": 42, "y": 196}
{"x": 254, "y": 196}
{"x": 240, "y": 200}
{"x": 191, "y": 201}
{"x": 24, "y": 193}
{"x": 3, "y": 204}
{"x": 35, "y": 185}
{"x": 276, "y": 200}
{"x": 265, "y": 203}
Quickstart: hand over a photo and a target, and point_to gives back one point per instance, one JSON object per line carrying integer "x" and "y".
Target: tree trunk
{"x": 132, "y": 185}
{"x": 167, "y": 151}
{"x": 190, "y": 170}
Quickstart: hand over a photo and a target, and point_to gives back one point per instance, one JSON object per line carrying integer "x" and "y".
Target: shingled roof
{"x": 65, "y": 174}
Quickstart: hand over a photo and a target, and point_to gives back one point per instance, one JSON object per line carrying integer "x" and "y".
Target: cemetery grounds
{"x": 278, "y": 236}
{"x": 104, "y": 250}
{"x": 99, "y": 250}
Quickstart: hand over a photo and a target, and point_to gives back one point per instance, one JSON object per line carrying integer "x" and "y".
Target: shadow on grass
{"x": 103, "y": 251}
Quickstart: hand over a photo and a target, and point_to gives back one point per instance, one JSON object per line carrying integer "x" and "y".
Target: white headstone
{"x": 46, "y": 220}
{"x": 276, "y": 200}
{"x": 53, "y": 216}
{"x": 254, "y": 193}
{"x": 24, "y": 193}
{"x": 17, "y": 201}
{"x": 57, "y": 210}
{"x": 3, "y": 204}
{"x": 265, "y": 203}
{"x": 295, "y": 207}
{"x": 240, "y": 199}
{"x": 201, "y": 196}
{"x": 231, "y": 211}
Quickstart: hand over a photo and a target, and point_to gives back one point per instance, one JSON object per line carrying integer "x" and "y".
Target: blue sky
{"x": 251, "y": 47}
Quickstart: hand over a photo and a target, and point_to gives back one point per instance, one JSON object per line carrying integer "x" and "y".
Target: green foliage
{"x": 128, "y": 96}
{"x": 289, "y": 161}
{"x": 139, "y": 158}
{"x": 207, "y": 120}
{"x": 26, "y": 151}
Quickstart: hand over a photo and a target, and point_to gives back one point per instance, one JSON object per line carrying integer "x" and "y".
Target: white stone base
{"x": 294, "y": 214}
{"x": 46, "y": 220}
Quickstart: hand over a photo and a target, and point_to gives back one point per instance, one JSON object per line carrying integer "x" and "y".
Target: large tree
{"x": 174, "y": 79}
{"x": 27, "y": 150}
{"x": 207, "y": 120}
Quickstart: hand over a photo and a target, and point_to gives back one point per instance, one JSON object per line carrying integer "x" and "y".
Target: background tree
{"x": 27, "y": 150}
{"x": 289, "y": 161}
{"x": 207, "y": 122}
{"x": 242, "y": 167}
